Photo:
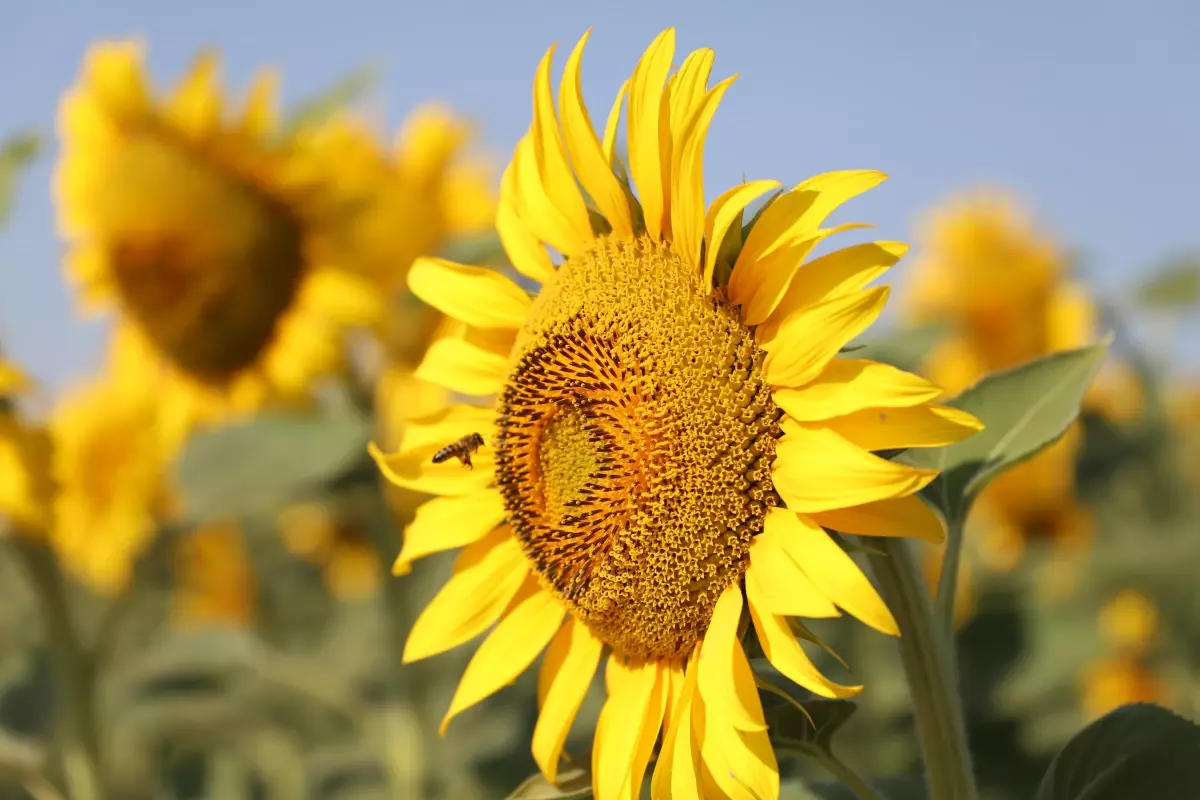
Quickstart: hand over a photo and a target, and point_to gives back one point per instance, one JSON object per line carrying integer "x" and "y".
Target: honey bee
{"x": 460, "y": 449}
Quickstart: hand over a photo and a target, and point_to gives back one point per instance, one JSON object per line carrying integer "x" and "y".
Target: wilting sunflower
{"x": 1003, "y": 287}
{"x": 25, "y": 488}
{"x": 110, "y": 469}
{"x": 672, "y": 431}
{"x": 220, "y": 241}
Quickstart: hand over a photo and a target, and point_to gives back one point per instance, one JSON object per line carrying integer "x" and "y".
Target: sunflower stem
{"x": 73, "y": 672}
{"x": 947, "y": 590}
{"x": 926, "y": 652}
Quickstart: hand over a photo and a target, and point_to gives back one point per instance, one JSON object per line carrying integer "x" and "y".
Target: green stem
{"x": 73, "y": 672}
{"x": 947, "y": 591}
{"x": 927, "y": 656}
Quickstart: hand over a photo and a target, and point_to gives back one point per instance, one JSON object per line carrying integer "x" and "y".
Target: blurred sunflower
{"x": 673, "y": 428}
{"x": 1128, "y": 626}
{"x": 1003, "y": 287}
{"x": 25, "y": 488}
{"x": 335, "y": 542}
{"x": 214, "y": 582}
{"x": 220, "y": 242}
{"x": 110, "y": 470}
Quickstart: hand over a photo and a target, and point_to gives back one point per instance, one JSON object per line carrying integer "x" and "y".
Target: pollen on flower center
{"x": 634, "y": 445}
{"x": 204, "y": 260}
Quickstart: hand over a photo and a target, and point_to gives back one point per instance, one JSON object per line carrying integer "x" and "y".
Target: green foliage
{"x": 324, "y": 104}
{"x": 481, "y": 249}
{"x": 905, "y": 348}
{"x": 16, "y": 153}
{"x": 1176, "y": 285}
{"x": 1139, "y": 750}
{"x": 1024, "y": 410}
{"x": 258, "y": 466}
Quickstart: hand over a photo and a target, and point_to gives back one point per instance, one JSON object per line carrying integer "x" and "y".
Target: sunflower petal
{"x": 614, "y": 121}
{"x": 651, "y": 725}
{"x": 723, "y": 212}
{"x": 915, "y": 426}
{"x": 897, "y": 516}
{"x": 566, "y": 674}
{"x": 534, "y": 206}
{"x": 807, "y": 341}
{"x": 780, "y": 583}
{"x": 196, "y": 105}
{"x": 718, "y": 656}
{"x": 785, "y": 653}
{"x": 526, "y": 252}
{"x": 463, "y": 367}
{"x": 592, "y": 164}
{"x": 474, "y": 295}
{"x": 847, "y": 385}
{"x": 835, "y": 274}
{"x": 648, "y": 159}
{"x": 832, "y": 570}
{"x": 487, "y": 575}
{"x": 517, "y": 640}
{"x": 687, "y": 178}
{"x": 631, "y": 690}
{"x": 259, "y": 117}
{"x": 818, "y": 470}
{"x": 445, "y": 523}
{"x": 830, "y": 190}
{"x": 741, "y": 763}
{"x": 415, "y": 470}
{"x": 557, "y": 178}
{"x": 676, "y": 774}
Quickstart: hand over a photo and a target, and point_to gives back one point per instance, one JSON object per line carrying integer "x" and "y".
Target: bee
{"x": 460, "y": 449}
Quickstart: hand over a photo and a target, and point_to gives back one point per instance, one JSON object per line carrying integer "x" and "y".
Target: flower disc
{"x": 635, "y": 441}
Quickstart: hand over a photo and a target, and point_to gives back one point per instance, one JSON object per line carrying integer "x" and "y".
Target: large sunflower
{"x": 673, "y": 431}
{"x": 220, "y": 241}
{"x": 1003, "y": 286}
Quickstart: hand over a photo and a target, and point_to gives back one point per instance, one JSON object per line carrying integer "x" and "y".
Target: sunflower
{"x": 214, "y": 580}
{"x": 671, "y": 434}
{"x": 220, "y": 242}
{"x": 25, "y": 488}
{"x": 1128, "y": 625}
{"x": 110, "y": 470}
{"x": 1002, "y": 285}
{"x": 335, "y": 542}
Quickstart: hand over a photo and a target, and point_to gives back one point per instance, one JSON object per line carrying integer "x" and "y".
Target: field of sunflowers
{"x": 414, "y": 471}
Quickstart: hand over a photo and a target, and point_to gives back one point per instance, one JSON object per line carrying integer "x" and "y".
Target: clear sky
{"x": 1090, "y": 109}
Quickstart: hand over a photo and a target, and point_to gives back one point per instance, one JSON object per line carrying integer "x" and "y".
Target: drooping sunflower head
{"x": 208, "y": 231}
{"x": 110, "y": 467}
{"x": 671, "y": 433}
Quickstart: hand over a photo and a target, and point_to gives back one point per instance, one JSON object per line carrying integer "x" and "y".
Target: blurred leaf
{"x": 905, "y": 348}
{"x": 1137, "y": 751}
{"x": 1176, "y": 285}
{"x": 480, "y": 249}
{"x": 798, "y": 719}
{"x": 326, "y": 103}
{"x": 15, "y": 153}
{"x": 572, "y": 782}
{"x": 256, "y": 467}
{"x": 1023, "y": 409}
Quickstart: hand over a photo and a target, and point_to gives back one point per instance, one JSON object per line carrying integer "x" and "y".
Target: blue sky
{"x": 1088, "y": 109}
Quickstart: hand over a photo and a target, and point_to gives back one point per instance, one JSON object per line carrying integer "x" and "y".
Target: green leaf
{"x": 1176, "y": 285}
{"x": 1024, "y": 410}
{"x": 259, "y": 466}
{"x": 480, "y": 249}
{"x": 905, "y": 348}
{"x": 572, "y": 782}
{"x": 1137, "y": 751}
{"x": 798, "y": 719}
{"x": 328, "y": 102}
{"x": 15, "y": 154}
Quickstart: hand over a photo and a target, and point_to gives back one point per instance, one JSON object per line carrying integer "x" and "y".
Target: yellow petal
{"x": 718, "y": 656}
{"x": 781, "y": 648}
{"x": 832, "y": 569}
{"x": 527, "y": 254}
{"x": 759, "y": 285}
{"x": 651, "y": 725}
{"x": 898, "y": 516}
{"x": 687, "y": 178}
{"x": 557, "y": 178}
{"x": 916, "y": 426}
{"x": 829, "y": 190}
{"x": 443, "y": 426}
{"x": 780, "y": 583}
{"x": 509, "y": 649}
{"x": 847, "y": 385}
{"x": 415, "y": 470}
{"x": 12, "y": 380}
{"x": 676, "y": 773}
{"x": 834, "y": 274}
{"x": 818, "y": 470}
{"x": 614, "y": 121}
{"x": 1070, "y": 318}
{"x": 591, "y": 163}
{"x": 566, "y": 674}
{"x": 445, "y": 523}
{"x": 259, "y": 117}
{"x": 648, "y": 128}
{"x": 487, "y": 575}
{"x": 738, "y": 763}
{"x": 196, "y": 106}
{"x": 631, "y": 690}
{"x": 533, "y": 205}
{"x": 808, "y": 340}
{"x": 723, "y": 212}
{"x": 463, "y": 367}
{"x": 114, "y": 72}
{"x": 474, "y": 295}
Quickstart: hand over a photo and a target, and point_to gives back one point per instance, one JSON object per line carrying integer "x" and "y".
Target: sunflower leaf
{"x": 480, "y": 249}
{"x": 327, "y": 102}
{"x": 905, "y": 348}
{"x": 798, "y": 719}
{"x": 1024, "y": 410}
{"x": 1176, "y": 285}
{"x": 572, "y": 782}
{"x": 1138, "y": 750}
{"x": 15, "y": 153}
{"x": 258, "y": 466}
